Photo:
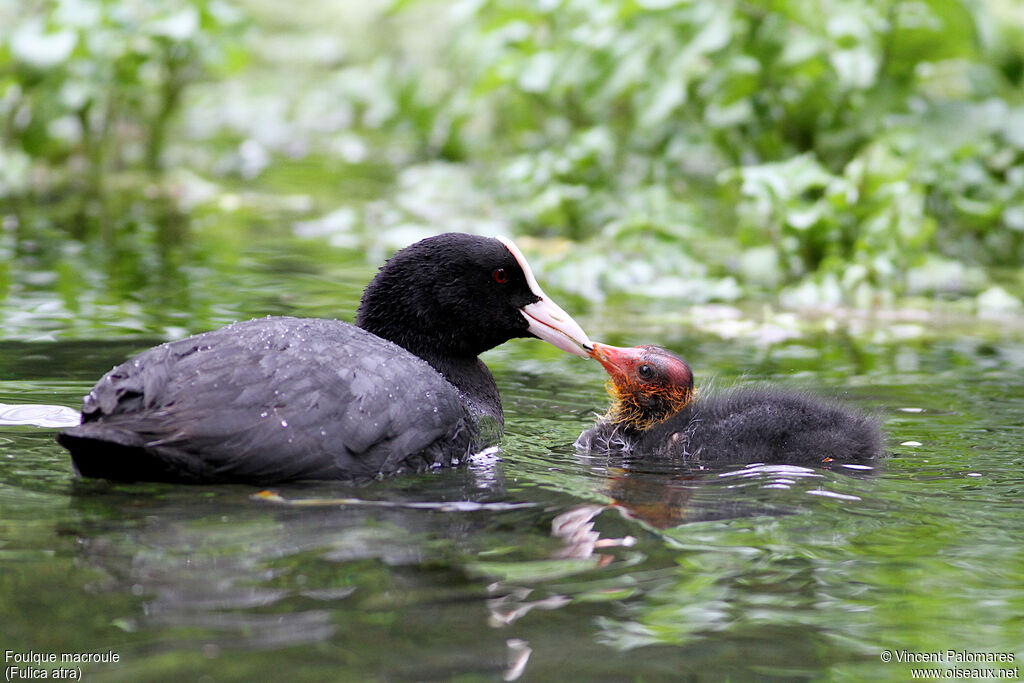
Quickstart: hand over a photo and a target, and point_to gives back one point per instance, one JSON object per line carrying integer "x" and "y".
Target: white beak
{"x": 546, "y": 319}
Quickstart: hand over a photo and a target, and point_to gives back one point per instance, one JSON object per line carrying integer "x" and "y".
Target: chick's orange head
{"x": 648, "y": 383}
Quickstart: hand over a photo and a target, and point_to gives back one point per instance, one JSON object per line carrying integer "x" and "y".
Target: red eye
{"x": 500, "y": 276}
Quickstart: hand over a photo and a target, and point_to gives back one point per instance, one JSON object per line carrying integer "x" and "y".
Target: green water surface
{"x": 532, "y": 562}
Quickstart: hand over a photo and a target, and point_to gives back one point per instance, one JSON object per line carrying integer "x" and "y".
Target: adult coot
{"x": 280, "y": 399}
{"x": 655, "y": 412}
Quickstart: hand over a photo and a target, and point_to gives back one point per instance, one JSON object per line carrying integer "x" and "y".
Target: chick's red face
{"x": 648, "y": 383}
{"x": 643, "y": 367}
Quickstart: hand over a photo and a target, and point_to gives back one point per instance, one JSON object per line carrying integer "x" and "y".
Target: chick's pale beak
{"x": 546, "y": 320}
{"x": 615, "y": 359}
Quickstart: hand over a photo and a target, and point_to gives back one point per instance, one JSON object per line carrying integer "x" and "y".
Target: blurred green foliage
{"x": 89, "y": 93}
{"x": 88, "y": 89}
{"x": 863, "y": 149}
{"x": 826, "y": 152}
{"x": 78, "y": 72}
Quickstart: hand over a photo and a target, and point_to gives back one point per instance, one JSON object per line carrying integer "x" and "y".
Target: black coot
{"x": 655, "y": 411}
{"x": 280, "y": 399}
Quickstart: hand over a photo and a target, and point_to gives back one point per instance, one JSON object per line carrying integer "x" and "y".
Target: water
{"x": 532, "y": 562}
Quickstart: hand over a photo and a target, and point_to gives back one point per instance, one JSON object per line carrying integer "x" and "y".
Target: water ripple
{"x": 38, "y": 415}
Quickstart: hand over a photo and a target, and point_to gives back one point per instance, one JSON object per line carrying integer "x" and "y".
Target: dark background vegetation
{"x": 153, "y": 156}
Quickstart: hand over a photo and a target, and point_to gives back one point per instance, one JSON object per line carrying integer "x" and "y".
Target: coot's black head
{"x": 457, "y": 295}
{"x": 648, "y": 384}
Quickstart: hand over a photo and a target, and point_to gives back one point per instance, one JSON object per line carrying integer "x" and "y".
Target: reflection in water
{"x": 694, "y": 597}
{"x": 512, "y": 604}
{"x": 221, "y": 568}
{"x": 664, "y": 494}
{"x": 440, "y": 506}
{"x": 512, "y": 567}
{"x": 575, "y": 529}
{"x": 209, "y": 575}
{"x": 518, "y": 656}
